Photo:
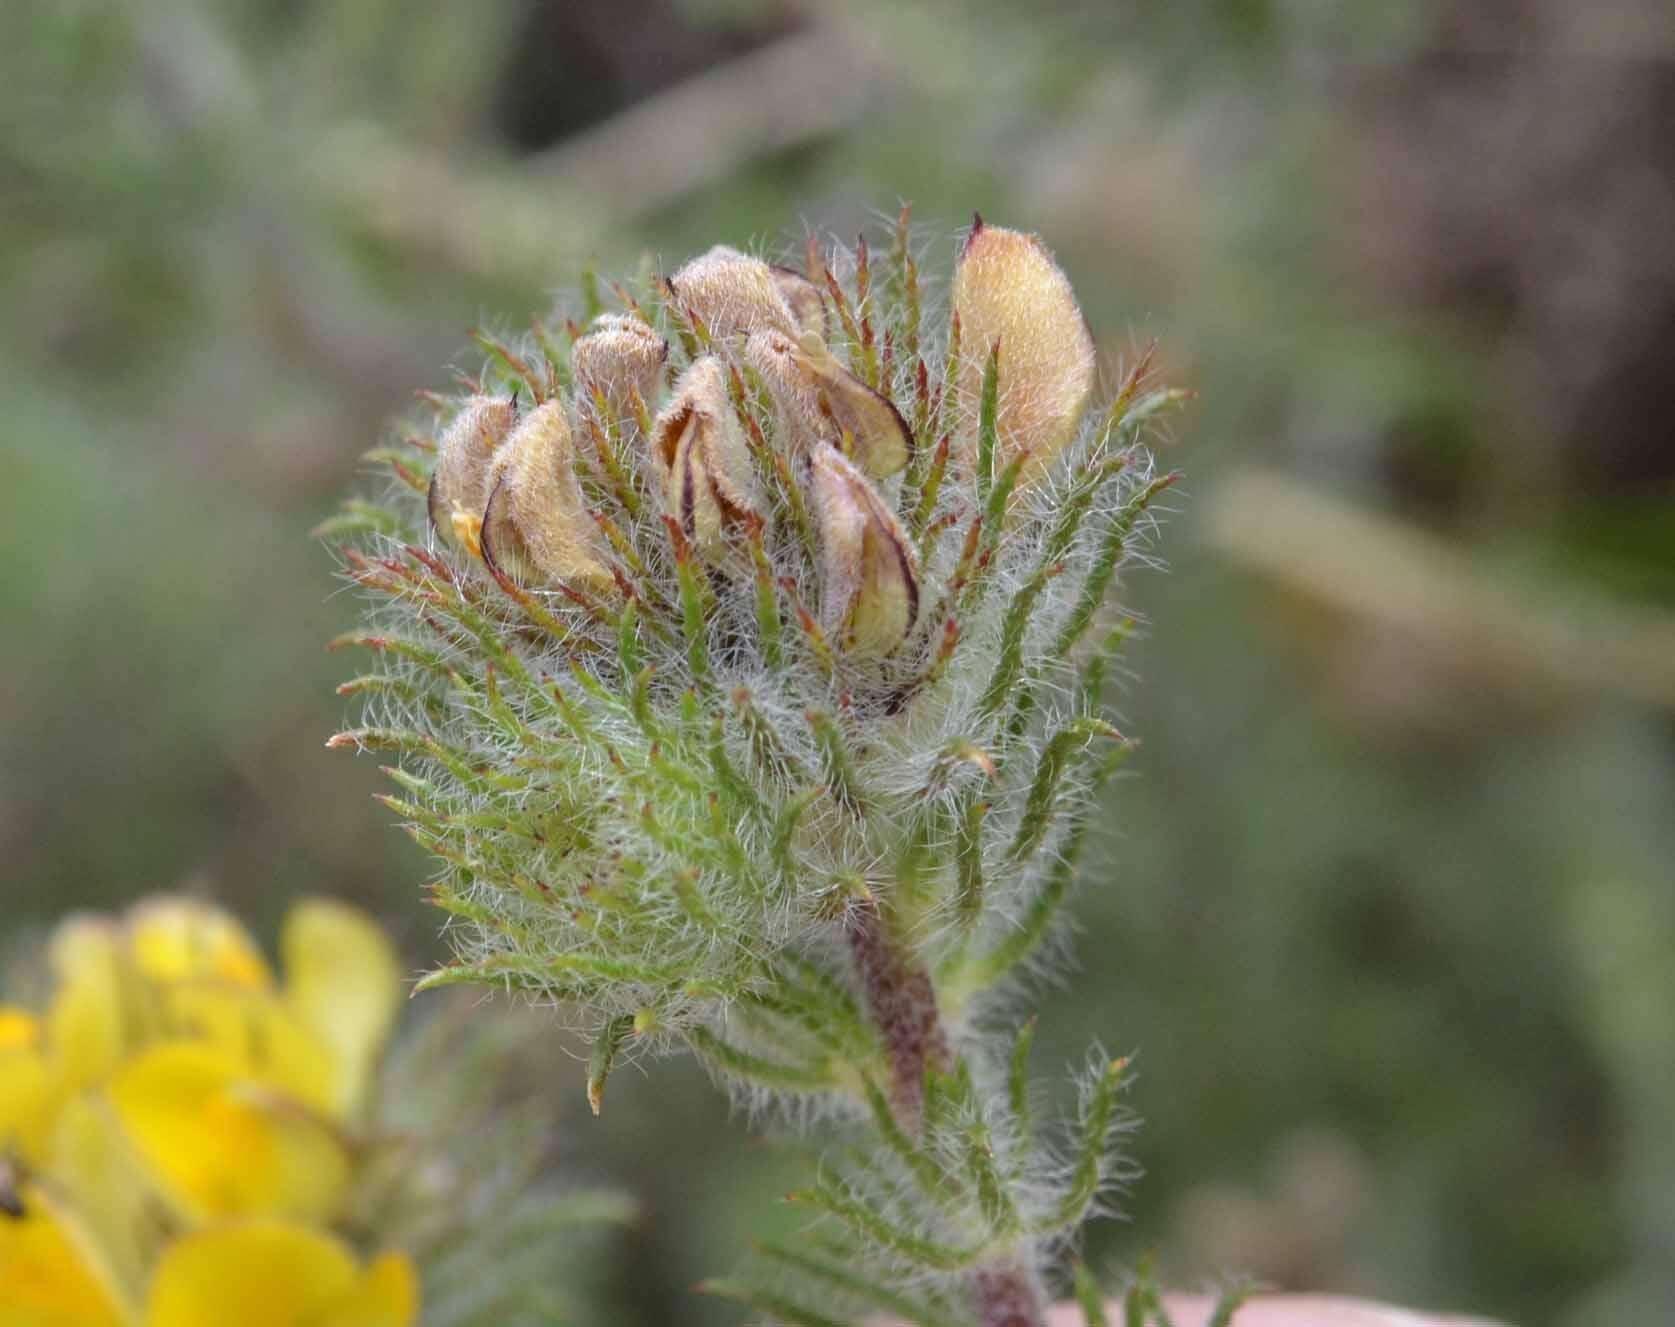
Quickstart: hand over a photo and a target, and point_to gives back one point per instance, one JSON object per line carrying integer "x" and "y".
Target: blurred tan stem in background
{"x": 795, "y": 90}
{"x": 1389, "y": 576}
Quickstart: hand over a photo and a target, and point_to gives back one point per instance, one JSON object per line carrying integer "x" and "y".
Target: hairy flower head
{"x": 810, "y": 608}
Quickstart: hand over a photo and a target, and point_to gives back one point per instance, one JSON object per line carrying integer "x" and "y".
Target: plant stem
{"x": 1006, "y": 1297}
{"x": 902, "y": 1003}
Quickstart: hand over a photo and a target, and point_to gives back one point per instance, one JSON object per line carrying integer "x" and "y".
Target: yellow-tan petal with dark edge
{"x": 869, "y": 572}
{"x": 535, "y": 522}
{"x": 457, "y": 492}
{"x": 703, "y": 461}
{"x": 806, "y": 300}
{"x": 826, "y": 401}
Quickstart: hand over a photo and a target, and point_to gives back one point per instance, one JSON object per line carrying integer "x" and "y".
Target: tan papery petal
{"x": 732, "y": 293}
{"x": 536, "y": 526}
{"x": 702, "y": 458}
{"x": 869, "y": 574}
{"x": 821, "y": 399}
{"x": 618, "y": 355}
{"x": 458, "y": 486}
{"x": 806, "y": 300}
{"x": 1008, "y": 290}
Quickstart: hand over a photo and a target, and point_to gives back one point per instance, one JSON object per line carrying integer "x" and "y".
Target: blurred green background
{"x": 1387, "y": 908}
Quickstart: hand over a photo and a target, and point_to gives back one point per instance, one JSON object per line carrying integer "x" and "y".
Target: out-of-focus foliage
{"x": 1395, "y": 893}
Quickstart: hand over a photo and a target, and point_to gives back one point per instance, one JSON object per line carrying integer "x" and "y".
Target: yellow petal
{"x": 387, "y": 1295}
{"x": 30, "y": 1096}
{"x": 80, "y": 940}
{"x": 99, "y": 1175}
{"x": 93, "y": 1006}
{"x": 1008, "y": 290}
{"x": 222, "y": 1145}
{"x": 343, "y": 982}
{"x": 29, "y": 1088}
{"x": 19, "y": 1029}
{"x": 46, "y": 1278}
{"x": 262, "y": 1038}
{"x": 178, "y": 939}
{"x": 535, "y": 519}
{"x": 278, "y": 1276}
{"x": 263, "y": 1274}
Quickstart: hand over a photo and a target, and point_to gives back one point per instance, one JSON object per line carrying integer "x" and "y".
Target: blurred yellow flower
{"x": 91, "y": 1018}
{"x": 343, "y": 983}
{"x": 184, "y": 1124}
{"x": 176, "y": 939}
{"x": 272, "y": 1274}
{"x": 278, "y": 1276}
{"x": 18, "y": 1029}
{"x": 181, "y": 970}
{"x": 29, "y": 1088}
{"x": 258, "y": 1038}
{"x": 223, "y": 1144}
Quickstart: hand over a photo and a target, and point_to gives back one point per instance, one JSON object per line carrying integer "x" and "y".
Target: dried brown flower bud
{"x": 535, "y": 523}
{"x": 869, "y": 574}
{"x": 1008, "y": 289}
{"x": 702, "y": 457}
{"x": 732, "y": 293}
{"x": 806, "y": 300}
{"x": 458, "y": 487}
{"x": 827, "y": 400}
{"x": 618, "y": 352}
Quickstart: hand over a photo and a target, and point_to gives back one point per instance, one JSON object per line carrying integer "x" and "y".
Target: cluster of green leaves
{"x": 911, "y": 1216}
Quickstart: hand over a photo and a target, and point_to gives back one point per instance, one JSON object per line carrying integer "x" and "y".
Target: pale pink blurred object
{"x": 1286, "y": 1311}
